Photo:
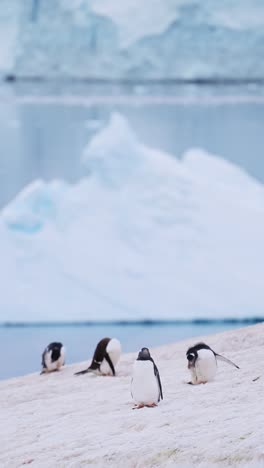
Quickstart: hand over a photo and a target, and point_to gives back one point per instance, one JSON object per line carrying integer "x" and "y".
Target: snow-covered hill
{"x": 133, "y": 39}
{"x": 142, "y": 235}
{"x": 65, "y": 421}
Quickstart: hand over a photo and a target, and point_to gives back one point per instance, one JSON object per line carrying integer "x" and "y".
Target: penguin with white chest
{"x": 53, "y": 357}
{"x": 146, "y": 389}
{"x": 106, "y": 356}
{"x": 202, "y": 363}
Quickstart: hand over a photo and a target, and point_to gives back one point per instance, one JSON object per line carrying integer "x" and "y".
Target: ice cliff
{"x": 109, "y": 39}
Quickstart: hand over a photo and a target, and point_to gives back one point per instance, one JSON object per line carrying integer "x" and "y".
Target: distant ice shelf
{"x": 143, "y": 236}
{"x": 113, "y": 39}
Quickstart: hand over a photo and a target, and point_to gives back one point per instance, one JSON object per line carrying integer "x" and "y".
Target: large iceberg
{"x": 116, "y": 39}
{"x": 142, "y": 236}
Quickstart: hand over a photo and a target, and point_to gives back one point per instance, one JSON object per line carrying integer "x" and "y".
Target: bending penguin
{"x": 202, "y": 363}
{"x": 53, "y": 357}
{"x": 106, "y": 356}
{"x": 146, "y": 389}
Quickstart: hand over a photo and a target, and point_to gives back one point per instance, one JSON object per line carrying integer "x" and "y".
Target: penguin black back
{"x": 197, "y": 347}
{"x": 99, "y": 355}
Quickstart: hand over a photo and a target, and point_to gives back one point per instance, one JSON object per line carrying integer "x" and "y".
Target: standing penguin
{"x": 106, "y": 356}
{"x": 146, "y": 387}
{"x": 53, "y": 357}
{"x": 202, "y": 363}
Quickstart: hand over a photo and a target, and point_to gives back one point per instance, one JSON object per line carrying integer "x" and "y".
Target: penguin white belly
{"x": 52, "y": 366}
{"x": 113, "y": 350}
{"x": 205, "y": 367}
{"x": 144, "y": 385}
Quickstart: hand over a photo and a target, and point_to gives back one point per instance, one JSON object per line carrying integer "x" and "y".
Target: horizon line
{"x": 198, "y": 80}
{"x": 143, "y": 322}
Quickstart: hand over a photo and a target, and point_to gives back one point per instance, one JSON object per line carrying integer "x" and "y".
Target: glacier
{"x": 135, "y": 40}
{"x": 142, "y": 235}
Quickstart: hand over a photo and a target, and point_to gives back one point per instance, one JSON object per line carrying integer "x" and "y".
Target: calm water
{"x": 44, "y": 129}
{"x": 21, "y": 347}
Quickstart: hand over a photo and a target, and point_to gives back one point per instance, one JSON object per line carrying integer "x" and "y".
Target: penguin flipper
{"x": 219, "y": 357}
{"x": 43, "y": 362}
{"x": 131, "y": 388}
{"x": 156, "y": 372}
{"x": 108, "y": 360}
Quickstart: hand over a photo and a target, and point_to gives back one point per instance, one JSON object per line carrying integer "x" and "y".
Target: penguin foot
{"x": 48, "y": 372}
{"x": 138, "y": 406}
{"x": 152, "y": 405}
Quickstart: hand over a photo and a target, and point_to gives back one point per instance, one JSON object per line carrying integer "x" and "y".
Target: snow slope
{"x": 143, "y": 235}
{"x": 63, "y": 420}
{"x": 137, "y": 40}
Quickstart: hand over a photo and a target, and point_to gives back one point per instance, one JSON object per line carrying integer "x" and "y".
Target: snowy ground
{"x": 61, "y": 420}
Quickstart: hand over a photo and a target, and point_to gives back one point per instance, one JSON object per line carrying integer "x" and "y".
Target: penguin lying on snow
{"x": 106, "y": 356}
{"x": 202, "y": 362}
{"x": 146, "y": 387}
{"x": 53, "y": 357}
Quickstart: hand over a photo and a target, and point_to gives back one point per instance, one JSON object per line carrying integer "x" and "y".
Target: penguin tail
{"x": 219, "y": 357}
{"x": 82, "y": 372}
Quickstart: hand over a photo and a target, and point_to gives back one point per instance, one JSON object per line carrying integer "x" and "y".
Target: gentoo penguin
{"x": 202, "y": 363}
{"x": 53, "y": 357}
{"x": 106, "y": 356}
{"x": 146, "y": 387}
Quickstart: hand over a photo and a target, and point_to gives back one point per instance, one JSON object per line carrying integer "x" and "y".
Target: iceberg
{"x": 142, "y": 235}
{"x": 113, "y": 39}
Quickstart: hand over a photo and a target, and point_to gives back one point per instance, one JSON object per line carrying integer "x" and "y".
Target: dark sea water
{"x": 21, "y": 346}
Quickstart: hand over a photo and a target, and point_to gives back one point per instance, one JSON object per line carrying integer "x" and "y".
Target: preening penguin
{"x": 53, "y": 357}
{"x": 202, "y": 363}
{"x": 146, "y": 389}
{"x": 106, "y": 356}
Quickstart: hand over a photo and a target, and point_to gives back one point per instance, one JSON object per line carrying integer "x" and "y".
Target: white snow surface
{"x": 142, "y": 236}
{"x": 68, "y": 421}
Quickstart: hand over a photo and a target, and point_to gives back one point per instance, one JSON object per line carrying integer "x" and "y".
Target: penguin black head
{"x": 55, "y": 349}
{"x": 55, "y": 345}
{"x": 144, "y": 355}
{"x": 191, "y": 356}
